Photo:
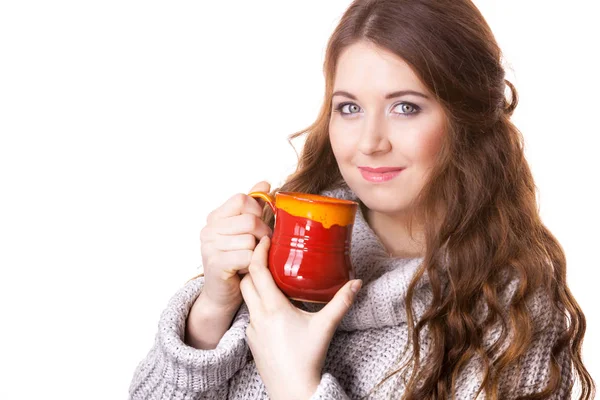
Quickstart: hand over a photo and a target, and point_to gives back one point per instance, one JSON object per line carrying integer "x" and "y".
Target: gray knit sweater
{"x": 368, "y": 344}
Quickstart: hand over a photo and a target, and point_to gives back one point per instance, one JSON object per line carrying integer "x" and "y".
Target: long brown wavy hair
{"x": 491, "y": 222}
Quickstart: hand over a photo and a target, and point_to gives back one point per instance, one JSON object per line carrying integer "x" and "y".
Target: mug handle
{"x": 266, "y": 197}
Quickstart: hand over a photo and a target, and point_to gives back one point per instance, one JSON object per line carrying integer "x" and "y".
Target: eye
{"x": 407, "y": 108}
{"x": 347, "y": 108}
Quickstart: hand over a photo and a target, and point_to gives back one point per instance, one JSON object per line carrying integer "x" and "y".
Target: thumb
{"x": 333, "y": 313}
{"x": 263, "y": 186}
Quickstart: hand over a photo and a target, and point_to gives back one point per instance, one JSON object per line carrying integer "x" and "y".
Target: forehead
{"x": 365, "y": 67}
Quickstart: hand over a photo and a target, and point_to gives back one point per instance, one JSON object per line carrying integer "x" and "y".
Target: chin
{"x": 385, "y": 199}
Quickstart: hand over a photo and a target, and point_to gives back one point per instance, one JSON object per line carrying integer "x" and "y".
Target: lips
{"x": 381, "y": 174}
{"x": 381, "y": 169}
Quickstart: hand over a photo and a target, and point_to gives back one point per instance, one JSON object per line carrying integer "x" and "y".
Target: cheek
{"x": 426, "y": 146}
{"x": 340, "y": 143}
{"x": 334, "y": 141}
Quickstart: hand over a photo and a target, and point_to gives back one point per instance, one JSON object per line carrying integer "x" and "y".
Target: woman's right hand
{"x": 227, "y": 244}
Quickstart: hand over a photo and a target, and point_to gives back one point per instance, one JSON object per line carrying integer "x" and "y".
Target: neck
{"x": 400, "y": 239}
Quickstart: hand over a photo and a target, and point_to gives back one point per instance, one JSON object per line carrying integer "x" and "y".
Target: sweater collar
{"x": 381, "y": 301}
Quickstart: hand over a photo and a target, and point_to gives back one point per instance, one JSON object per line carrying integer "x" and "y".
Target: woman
{"x": 464, "y": 291}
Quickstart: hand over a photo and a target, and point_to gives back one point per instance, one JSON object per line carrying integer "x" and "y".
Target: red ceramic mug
{"x": 309, "y": 256}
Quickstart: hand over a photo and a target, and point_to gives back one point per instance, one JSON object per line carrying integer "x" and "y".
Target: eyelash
{"x": 417, "y": 109}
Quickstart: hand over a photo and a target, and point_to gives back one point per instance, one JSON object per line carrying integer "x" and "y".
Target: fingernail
{"x": 356, "y": 285}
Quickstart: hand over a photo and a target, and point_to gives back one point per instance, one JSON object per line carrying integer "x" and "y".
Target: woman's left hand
{"x": 289, "y": 345}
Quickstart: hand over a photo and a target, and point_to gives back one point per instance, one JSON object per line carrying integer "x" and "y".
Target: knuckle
{"x": 247, "y": 257}
{"x": 239, "y": 259}
{"x": 250, "y": 221}
{"x": 254, "y": 267}
{"x": 254, "y": 222}
{"x": 204, "y": 233}
{"x": 238, "y": 200}
{"x": 259, "y": 223}
{"x": 249, "y": 242}
{"x": 347, "y": 300}
{"x": 210, "y": 216}
{"x": 212, "y": 240}
{"x": 206, "y": 251}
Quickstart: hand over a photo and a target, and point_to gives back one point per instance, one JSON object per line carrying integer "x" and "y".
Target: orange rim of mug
{"x": 326, "y": 210}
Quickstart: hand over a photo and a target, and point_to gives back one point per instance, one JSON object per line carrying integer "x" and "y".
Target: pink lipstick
{"x": 381, "y": 174}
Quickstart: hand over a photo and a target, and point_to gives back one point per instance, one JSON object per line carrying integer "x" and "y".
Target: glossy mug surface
{"x": 309, "y": 256}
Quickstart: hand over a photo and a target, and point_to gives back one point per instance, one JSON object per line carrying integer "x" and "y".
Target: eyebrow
{"x": 387, "y": 96}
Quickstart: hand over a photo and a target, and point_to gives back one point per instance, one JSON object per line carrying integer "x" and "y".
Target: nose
{"x": 374, "y": 138}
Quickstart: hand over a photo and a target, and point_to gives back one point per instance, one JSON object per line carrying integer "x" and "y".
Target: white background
{"x": 124, "y": 123}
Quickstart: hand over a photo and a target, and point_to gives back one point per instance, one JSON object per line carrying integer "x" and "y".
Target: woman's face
{"x": 386, "y": 129}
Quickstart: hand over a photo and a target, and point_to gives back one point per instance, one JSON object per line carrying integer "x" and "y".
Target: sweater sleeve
{"x": 329, "y": 389}
{"x": 174, "y": 370}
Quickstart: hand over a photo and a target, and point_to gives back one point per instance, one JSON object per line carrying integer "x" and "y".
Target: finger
{"x": 235, "y": 242}
{"x": 333, "y": 313}
{"x": 260, "y": 256}
{"x": 262, "y": 278}
{"x": 262, "y": 186}
{"x": 242, "y": 224}
{"x": 236, "y": 205}
{"x": 250, "y": 294}
{"x": 232, "y": 261}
